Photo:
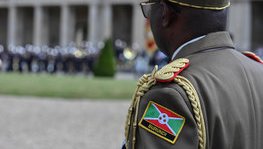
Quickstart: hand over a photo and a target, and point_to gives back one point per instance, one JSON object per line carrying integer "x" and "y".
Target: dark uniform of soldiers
{"x": 209, "y": 97}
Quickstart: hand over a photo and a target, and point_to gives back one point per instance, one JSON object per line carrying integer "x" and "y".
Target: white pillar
{"x": 64, "y": 39}
{"x": 107, "y": 18}
{"x": 240, "y": 25}
{"x": 38, "y": 25}
{"x": 93, "y": 16}
{"x": 12, "y": 16}
{"x": 138, "y": 26}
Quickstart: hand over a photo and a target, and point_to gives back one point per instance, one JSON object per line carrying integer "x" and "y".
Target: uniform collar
{"x": 185, "y": 44}
{"x": 210, "y": 41}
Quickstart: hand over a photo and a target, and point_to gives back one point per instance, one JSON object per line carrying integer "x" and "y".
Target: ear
{"x": 168, "y": 16}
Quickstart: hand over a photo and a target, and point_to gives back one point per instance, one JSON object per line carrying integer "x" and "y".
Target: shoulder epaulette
{"x": 253, "y": 56}
{"x": 169, "y": 72}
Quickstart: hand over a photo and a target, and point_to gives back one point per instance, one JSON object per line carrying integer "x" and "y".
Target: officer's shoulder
{"x": 174, "y": 92}
{"x": 169, "y": 82}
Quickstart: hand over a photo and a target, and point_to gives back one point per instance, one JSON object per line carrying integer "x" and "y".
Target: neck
{"x": 176, "y": 42}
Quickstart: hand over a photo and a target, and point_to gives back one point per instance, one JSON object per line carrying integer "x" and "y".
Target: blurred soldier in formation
{"x": 37, "y": 59}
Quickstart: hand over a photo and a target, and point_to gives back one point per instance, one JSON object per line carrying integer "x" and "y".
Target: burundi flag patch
{"x": 162, "y": 122}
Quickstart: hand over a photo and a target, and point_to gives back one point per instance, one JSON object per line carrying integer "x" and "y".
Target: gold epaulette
{"x": 168, "y": 73}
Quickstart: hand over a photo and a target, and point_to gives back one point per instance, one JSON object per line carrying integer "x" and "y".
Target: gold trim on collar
{"x": 199, "y": 7}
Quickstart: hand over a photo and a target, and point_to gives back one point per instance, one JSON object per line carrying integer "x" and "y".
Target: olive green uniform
{"x": 229, "y": 86}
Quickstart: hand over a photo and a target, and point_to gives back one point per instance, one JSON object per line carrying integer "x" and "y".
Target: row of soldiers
{"x": 37, "y": 59}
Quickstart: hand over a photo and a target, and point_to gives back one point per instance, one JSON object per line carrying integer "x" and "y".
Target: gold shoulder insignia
{"x": 171, "y": 70}
{"x": 168, "y": 73}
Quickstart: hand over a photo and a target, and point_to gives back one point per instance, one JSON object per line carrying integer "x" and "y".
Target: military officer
{"x": 209, "y": 96}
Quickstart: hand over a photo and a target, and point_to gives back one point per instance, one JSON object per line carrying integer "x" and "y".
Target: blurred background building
{"x": 59, "y": 22}
{"x": 86, "y": 23}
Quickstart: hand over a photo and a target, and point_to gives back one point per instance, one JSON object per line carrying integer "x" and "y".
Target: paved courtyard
{"x": 30, "y": 123}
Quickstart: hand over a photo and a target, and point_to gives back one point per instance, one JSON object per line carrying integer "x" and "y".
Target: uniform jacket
{"x": 229, "y": 86}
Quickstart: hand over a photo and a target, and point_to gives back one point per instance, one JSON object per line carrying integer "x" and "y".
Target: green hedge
{"x": 106, "y": 63}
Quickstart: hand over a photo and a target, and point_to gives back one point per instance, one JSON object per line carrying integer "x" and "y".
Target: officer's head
{"x": 175, "y": 22}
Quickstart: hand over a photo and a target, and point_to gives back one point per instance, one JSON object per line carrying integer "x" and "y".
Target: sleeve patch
{"x": 162, "y": 122}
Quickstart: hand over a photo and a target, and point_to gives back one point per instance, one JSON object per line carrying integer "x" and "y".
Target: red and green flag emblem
{"x": 162, "y": 122}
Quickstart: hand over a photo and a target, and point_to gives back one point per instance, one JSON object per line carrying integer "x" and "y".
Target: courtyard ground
{"x": 30, "y": 123}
